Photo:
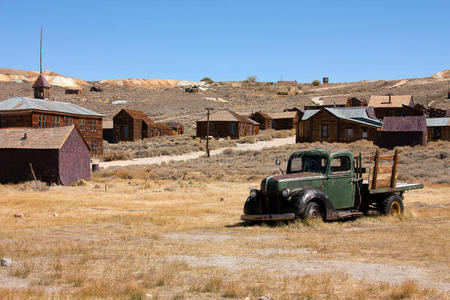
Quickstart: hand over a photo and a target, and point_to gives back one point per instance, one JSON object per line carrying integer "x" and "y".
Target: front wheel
{"x": 312, "y": 211}
{"x": 392, "y": 205}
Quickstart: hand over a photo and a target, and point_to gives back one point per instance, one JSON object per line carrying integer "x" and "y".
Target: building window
{"x": 211, "y": 128}
{"x": 324, "y": 131}
{"x": 2, "y": 122}
{"x": 82, "y": 124}
{"x": 349, "y": 133}
{"x": 233, "y": 128}
{"x": 93, "y": 125}
{"x": 125, "y": 131}
{"x": 68, "y": 120}
{"x": 364, "y": 133}
{"x": 42, "y": 121}
{"x": 56, "y": 121}
{"x": 436, "y": 132}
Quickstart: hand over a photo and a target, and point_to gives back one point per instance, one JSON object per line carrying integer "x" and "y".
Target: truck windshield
{"x": 307, "y": 163}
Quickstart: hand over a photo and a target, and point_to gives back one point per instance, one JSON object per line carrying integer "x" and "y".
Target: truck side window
{"x": 296, "y": 165}
{"x": 340, "y": 165}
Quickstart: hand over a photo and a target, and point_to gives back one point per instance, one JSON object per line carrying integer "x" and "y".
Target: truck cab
{"x": 318, "y": 183}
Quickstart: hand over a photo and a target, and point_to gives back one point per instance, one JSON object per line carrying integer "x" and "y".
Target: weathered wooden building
{"x": 134, "y": 125}
{"x": 227, "y": 124}
{"x": 44, "y": 113}
{"x": 402, "y": 131}
{"x": 159, "y": 129}
{"x": 177, "y": 128}
{"x": 74, "y": 91}
{"x": 55, "y": 154}
{"x": 393, "y": 105}
{"x": 131, "y": 125}
{"x": 438, "y": 129}
{"x": 341, "y": 124}
{"x": 276, "y": 120}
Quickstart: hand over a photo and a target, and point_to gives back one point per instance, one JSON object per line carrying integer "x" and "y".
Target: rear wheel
{"x": 392, "y": 205}
{"x": 312, "y": 211}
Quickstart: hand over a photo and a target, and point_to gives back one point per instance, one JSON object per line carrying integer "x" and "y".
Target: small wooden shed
{"x": 56, "y": 155}
{"x": 402, "y": 131}
{"x": 131, "y": 125}
{"x": 276, "y": 120}
{"x": 177, "y": 128}
{"x": 159, "y": 129}
{"x": 227, "y": 123}
{"x": 438, "y": 129}
{"x": 74, "y": 91}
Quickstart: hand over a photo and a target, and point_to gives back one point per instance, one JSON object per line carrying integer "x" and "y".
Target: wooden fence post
{"x": 375, "y": 170}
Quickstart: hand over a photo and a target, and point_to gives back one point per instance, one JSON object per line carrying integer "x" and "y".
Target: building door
{"x": 340, "y": 186}
{"x": 144, "y": 130}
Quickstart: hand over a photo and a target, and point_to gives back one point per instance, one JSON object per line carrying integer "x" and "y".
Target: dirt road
{"x": 194, "y": 155}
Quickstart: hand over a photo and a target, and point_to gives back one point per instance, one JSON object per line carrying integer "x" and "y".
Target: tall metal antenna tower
{"x": 40, "y": 69}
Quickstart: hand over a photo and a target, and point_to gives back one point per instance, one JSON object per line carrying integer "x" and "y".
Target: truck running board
{"x": 268, "y": 217}
{"x": 348, "y": 214}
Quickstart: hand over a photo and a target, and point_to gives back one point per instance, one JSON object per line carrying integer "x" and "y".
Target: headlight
{"x": 253, "y": 193}
{"x": 285, "y": 193}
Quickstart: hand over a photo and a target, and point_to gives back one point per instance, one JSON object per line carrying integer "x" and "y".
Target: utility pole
{"x": 207, "y": 130}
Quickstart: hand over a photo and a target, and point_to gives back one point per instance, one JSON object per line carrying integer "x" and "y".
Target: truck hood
{"x": 293, "y": 181}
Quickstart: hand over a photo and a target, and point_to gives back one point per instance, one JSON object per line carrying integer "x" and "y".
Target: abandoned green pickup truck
{"x": 328, "y": 184}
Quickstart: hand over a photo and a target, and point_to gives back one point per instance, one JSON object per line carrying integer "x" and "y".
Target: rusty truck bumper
{"x": 268, "y": 217}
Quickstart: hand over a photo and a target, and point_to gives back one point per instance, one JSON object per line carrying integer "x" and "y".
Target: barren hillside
{"x": 165, "y": 100}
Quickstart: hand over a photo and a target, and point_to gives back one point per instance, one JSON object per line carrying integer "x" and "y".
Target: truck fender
{"x": 302, "y": 197}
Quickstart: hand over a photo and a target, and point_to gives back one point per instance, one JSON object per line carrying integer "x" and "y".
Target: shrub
{"x": 282, "y": 93}
{"x": 207, "y": 79}
{"x": 315, "y": 83}
{"x": 252, "y": 78}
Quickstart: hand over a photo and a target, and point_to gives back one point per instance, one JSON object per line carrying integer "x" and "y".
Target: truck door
{"x": 340, "y": 185}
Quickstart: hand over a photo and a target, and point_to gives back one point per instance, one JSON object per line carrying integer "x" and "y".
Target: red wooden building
{"x": 130, "y": 125}
{"x": 56, "y": 154}
{"x": 44, "y": 113}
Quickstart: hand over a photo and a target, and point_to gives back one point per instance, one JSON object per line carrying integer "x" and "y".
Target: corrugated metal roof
{"x": 25, "y": 103}
{"x": 438, "y": 122}
{"x": 34, "y": 138}
{"x": 409, "y": 123}
{"x": 309, "y": 113}
{"x": 355, "y": 114}
{"x": 383, "y": 101}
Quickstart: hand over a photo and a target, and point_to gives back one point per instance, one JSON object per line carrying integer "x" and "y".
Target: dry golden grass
{"x": 177, "y": 240}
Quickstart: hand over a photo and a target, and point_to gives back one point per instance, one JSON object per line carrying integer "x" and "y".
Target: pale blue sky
{"x": 229, "y": 40}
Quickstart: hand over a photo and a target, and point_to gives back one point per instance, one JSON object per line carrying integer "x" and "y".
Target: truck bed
{"x": 399, "y": 187}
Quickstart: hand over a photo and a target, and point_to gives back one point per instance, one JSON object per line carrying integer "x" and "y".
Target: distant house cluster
{"x": 388, "y": 121}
